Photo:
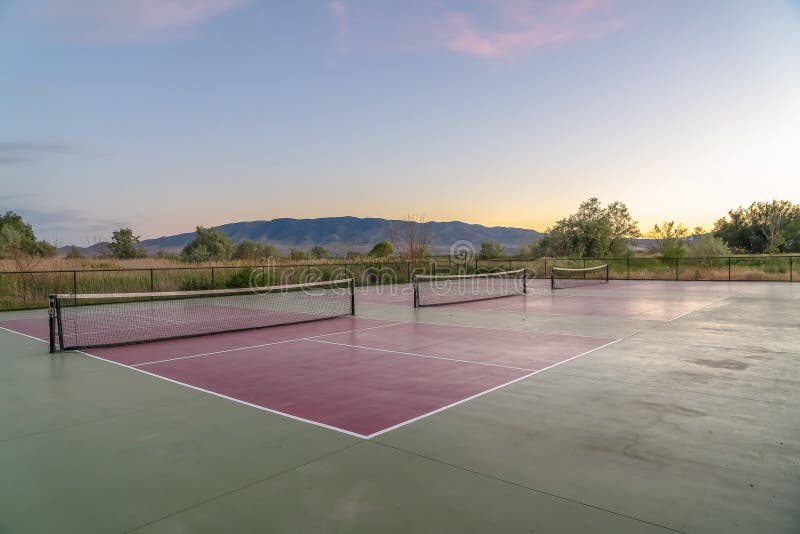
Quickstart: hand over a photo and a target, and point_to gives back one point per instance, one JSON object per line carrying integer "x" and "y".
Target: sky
{"x": 163, "y": 115}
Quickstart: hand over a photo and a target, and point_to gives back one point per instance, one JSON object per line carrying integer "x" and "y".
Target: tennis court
{"x": 606, "y": 406}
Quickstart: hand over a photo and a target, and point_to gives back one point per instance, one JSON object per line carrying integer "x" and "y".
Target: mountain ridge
{"x": 341, "y": 235}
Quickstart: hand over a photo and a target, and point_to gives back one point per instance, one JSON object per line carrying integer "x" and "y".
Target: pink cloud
{"x": 522, "y": 27}
{"x": 340, "y": 12}
{"x": 132, "y": 20}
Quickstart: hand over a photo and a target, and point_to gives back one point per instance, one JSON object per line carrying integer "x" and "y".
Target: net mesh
{"x": 562, "y": 278}
{"x": 433, "y": 290}
{"x": 100, "y": 320}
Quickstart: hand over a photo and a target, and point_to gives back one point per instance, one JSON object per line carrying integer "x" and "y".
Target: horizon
{"x": 165, "y": 116}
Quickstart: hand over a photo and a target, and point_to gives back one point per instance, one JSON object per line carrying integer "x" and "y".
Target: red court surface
{"x": 359, "y": 376}
{"x": 540, "y": 300}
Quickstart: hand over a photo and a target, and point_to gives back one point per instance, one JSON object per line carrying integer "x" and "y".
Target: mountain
{"x": 343, "y": 234}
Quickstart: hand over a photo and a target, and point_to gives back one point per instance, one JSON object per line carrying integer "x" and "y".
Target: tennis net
{"x": 80, "y": 321}
{"x": 433, "y": 290}
{"x": 562, "y": 278}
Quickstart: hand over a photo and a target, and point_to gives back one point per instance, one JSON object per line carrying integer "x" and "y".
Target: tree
{"x": 124, "y": 245}
{"x": 490, "y": 250}
{"x": 771, "y": 218}
{"x": 297, "y": 254}
{"x": 531, "y": 251}
{"x": 209, "y": 245}
{"x": 739, "y": 233}
{"x": 74, "y": 253}
{"x": 251, "y": 251}
{"x": 593, "y": 231}
{"x": 26, "y": 237}
{"x": 793, "y": 236}
{"x": 762, "y": 227}
{"x": 622, "y": 227}
{"x": 17, "y": 239}
{"x": 382, "y": 249}
{"x": 668, "y": 237}
{"x": 411, "y": 237}
{"x": 319, "y": 252}
{"x": 11, "y": 242}
{"x": 707, "y": 246}
{"x": 44, "y": 249}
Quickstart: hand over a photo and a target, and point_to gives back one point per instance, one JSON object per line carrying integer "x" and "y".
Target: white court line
{"x": 250, "y": 404}
{"x": 317, "y": 423}
{"x": 25, "y": 335}
{"x": 696, "y": 309}
{"x": 214, "y": 393}
{"x": 421, "y": 355}
{"x": 235, "y": 349}
{"x": 482, "y": 393}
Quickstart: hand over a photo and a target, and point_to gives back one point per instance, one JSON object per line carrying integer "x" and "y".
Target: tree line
{"x": 597, "y": 231}
{"x": 209, "y": 244}
{"x": 593, "y": 231}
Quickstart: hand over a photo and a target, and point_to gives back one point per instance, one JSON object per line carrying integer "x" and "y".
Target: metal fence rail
{"x": 29, "y": 289}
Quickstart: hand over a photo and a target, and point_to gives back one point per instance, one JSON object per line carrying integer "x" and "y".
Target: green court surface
{"x": 690, "y": 422}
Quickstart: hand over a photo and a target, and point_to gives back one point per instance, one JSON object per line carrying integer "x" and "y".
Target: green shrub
{"x": 194, "y": 282}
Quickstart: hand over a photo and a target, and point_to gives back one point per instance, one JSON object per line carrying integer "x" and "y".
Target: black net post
{"x": 352, "y": 287}
{"x": 415, "y": 286}
{"x": 152, "y": 285}
{"x": 608, "y": 270}
{"x": 552, "y": 279}
{"x": 525, "y": 281}
{"x": 59, "y": 327}
{"x": 51, "y": 313}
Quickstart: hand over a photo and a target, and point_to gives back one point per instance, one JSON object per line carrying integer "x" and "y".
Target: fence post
{"x": 729, "y": 268}
{"x": 74, "y": 282}
{"x": 627, "y": 267}
{"x": 212, "y": 278}
{"x": 152, "y": 285}
{"x": 676, "y": 268}
{"x": 791, "y": 269}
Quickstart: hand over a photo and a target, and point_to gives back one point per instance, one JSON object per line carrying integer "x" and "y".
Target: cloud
{"x": 60, "y": 226}
{"x": 338, "y": 9}
{"x": 124, "y": 21}
{"x": 340, "y": 13}
{"x": 488, "y": 29}
{"x": 16, "y": 152}
{"x": 523, "y": 27}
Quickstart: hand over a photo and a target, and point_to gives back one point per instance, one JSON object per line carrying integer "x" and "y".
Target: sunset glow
{"x": 163, "y": 115}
